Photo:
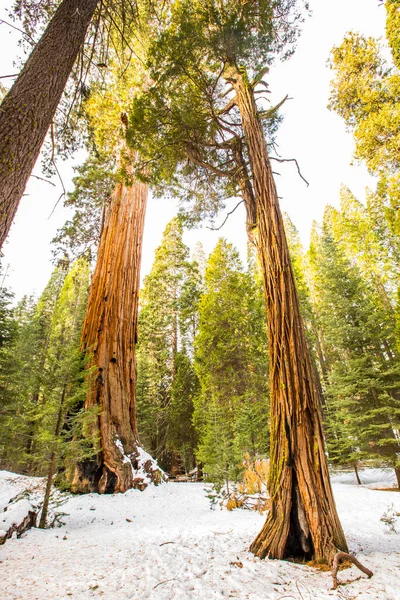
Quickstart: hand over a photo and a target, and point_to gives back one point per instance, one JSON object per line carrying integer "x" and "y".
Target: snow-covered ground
{"x": 166, "y": 543}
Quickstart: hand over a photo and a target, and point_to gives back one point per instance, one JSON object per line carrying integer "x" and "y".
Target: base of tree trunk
{"x": 135, "y": 471}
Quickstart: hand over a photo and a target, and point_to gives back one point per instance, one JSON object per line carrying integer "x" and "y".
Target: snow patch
{"x": 380, "y": 478}
{"x": 146, "y": 463}
{"x": 166, "y": 544}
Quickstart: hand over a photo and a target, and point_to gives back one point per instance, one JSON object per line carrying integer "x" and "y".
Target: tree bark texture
{"x": 108, "y": 337}
{"x": 29, "y": 107}
{"x": 302, "y": 521}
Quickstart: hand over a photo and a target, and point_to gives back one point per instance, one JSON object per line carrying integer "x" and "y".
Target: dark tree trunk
{"x": 397, "y": 471}
{"x": 302, "y": 521}
{"x": 28, "y": 109}
{"x": 357, "y": 475}
{"x": 109, "y": 336}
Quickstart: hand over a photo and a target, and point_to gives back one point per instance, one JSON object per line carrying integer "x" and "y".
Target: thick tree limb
{"x": 345, "y": 556}
{"x": 195, "y": 159}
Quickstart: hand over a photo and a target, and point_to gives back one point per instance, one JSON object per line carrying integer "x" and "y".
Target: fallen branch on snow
{"x": 345, "y": 556}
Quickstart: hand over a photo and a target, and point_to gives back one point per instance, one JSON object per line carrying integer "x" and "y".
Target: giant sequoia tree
{"x": 109, "y": 336}
{"x": 29, "y": 107}
{"x": 201, "y": 118}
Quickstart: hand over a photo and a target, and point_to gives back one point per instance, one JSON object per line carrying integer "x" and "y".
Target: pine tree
{"x": 61, "y": 415}
{"x": 29, "y": 350}
{"x": 231, "y": 412}
{"x": 8, "y": 333}
{"x": 167, "y": 327}
{"x": 363, "y": 381}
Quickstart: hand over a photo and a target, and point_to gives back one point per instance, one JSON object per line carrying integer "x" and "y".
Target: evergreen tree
{"x": 231, "y": 412}
{"x": 62, "y": 418}
{"x": 363, "y": 380}
{"x": 30, "y": 349}
{"x": 8, "y": 333}
{"x": 167, "y": 326}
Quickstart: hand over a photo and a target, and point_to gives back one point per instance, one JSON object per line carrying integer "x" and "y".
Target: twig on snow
{"x": 165, "y": 543}
{"x": 162, "y": 582}
{"x": 222, "y": 532}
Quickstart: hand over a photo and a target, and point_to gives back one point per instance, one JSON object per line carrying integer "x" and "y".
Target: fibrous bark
{"x": 108, "y": 337}
{"x": 302, "y": 521}
{"x": 28, "y": 109}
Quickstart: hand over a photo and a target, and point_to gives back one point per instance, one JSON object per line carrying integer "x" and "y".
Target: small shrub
{"x": 389, "y": 518}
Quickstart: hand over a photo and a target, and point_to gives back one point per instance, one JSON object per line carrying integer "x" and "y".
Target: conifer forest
{"x": 203, "y": 401}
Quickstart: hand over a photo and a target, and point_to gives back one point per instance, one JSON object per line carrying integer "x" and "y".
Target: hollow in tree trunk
{"x": 302, "y": 521}
{"x": 109, "y": 336}
{"x": 28, "y": 109}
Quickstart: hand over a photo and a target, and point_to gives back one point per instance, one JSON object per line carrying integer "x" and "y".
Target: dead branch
{"x": 282, "y": 160}
{"x": 165, "y": 543}
{"x": 9, "y": 76}
{"x": 43, "y": 179}
{"x": 222, "y": 532}
{"x": 345, "y": 556}
{"x": 53, "y": 161}
{"x": 162, "y": 582}
{"x": 28, "y": 37}
{"x": 226, "y": 218}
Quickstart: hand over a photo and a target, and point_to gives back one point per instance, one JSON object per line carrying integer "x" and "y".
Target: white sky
{"x": 310, "y": 133}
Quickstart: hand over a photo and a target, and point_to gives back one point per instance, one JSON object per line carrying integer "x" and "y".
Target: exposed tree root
{"x": 345, "y": 556}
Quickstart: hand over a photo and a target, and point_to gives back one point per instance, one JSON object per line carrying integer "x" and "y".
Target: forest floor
{"x": 166, "y": 543}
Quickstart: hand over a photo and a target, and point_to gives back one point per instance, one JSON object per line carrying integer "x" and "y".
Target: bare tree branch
{"x": 28, "y": 37}
{"x": 282, "y": 160}
{"x": 226, "y": 218}
{"x": 43, "y": 179}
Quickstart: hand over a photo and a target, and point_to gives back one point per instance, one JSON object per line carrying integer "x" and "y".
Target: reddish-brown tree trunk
{"x": 109, "y": 336}
{"x": 302, "y": 521}
{"x": 28, "y": 109}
